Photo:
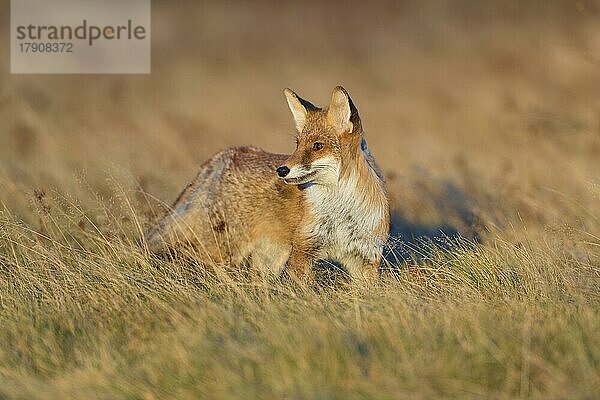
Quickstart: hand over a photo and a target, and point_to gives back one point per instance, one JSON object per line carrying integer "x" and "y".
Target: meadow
{"x": 483, "y": 116}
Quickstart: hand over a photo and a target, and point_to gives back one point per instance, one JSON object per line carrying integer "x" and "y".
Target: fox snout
{"x": 306, "y": 167}
{"x": 295, "y": 174}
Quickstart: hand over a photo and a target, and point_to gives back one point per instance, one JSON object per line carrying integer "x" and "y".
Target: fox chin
{"x": 325, "y": 201}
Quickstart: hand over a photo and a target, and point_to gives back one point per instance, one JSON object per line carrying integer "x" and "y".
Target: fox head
{"x": 327, "y": 138}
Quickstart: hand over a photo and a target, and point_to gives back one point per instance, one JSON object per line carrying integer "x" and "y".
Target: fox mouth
{"x": 301, "y": 179}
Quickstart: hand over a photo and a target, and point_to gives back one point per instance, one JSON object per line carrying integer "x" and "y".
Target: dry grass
{"x": 485, "y": 118}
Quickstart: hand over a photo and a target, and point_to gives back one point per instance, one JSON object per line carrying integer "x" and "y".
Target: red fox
{"x": 326, "y": 201}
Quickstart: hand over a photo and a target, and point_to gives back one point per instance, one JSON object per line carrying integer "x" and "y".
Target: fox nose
{"x": 283, "y": 171}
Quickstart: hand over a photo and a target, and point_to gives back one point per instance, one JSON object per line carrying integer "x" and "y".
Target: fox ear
{"x": 299, "y": 108}
{"x": 342, "y": 113}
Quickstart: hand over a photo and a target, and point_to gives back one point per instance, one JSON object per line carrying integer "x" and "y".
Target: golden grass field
{"x": 484, "y": 117}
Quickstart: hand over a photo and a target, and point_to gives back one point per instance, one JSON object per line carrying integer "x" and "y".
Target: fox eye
{"x": 318, "y": 146}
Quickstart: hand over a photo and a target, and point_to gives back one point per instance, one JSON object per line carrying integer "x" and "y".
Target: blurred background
{"x": 483, "y": 115}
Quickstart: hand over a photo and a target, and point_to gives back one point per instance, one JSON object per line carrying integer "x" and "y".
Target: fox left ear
{"x": 342, "y": 113}
{"x": 299, "y": 108}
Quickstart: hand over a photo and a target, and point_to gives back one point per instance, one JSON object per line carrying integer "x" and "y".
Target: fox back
{"x": 325, "y": 201}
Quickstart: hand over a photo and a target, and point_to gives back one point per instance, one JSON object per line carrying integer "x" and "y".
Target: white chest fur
{"x": 344, "y": 220}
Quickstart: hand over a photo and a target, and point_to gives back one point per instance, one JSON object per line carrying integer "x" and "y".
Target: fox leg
{"x": 299, "y": 265}
{"x": 363, "y": 271}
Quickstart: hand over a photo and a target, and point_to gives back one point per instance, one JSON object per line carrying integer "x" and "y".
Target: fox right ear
{"x": 299, "y": 108}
